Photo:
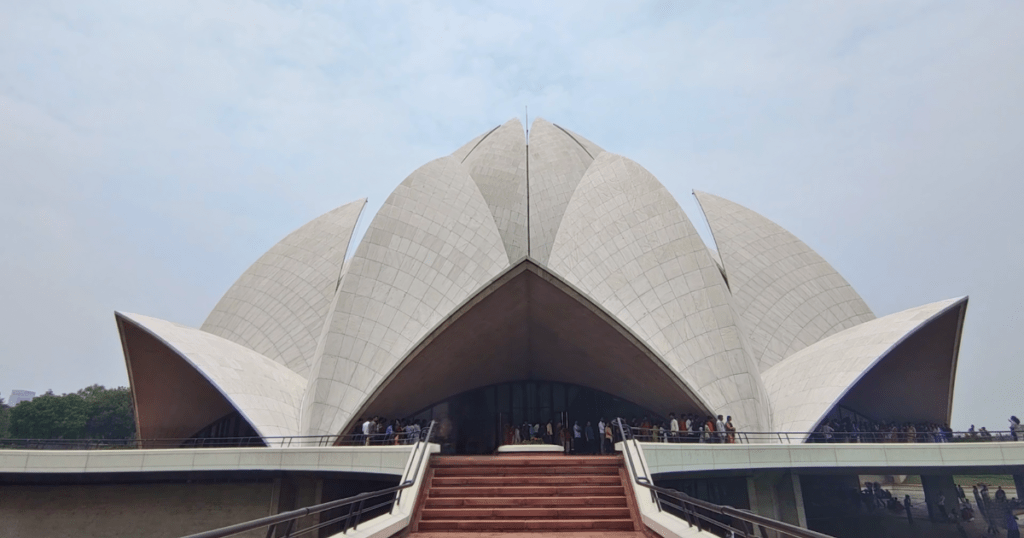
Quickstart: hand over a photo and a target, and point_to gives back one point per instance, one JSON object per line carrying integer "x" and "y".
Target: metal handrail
{"x": 404, "y": 438}
{"x": 355, "y": 503}
{"x": 286, "y": 441}
{"x": 689, "y": 505}
{"x": 745, "y": 437}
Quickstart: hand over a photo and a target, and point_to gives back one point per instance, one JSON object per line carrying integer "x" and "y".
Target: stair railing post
{"x": 359, "y": 514}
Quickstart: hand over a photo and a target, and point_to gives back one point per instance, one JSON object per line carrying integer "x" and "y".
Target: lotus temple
{"x": 521, "y": 281}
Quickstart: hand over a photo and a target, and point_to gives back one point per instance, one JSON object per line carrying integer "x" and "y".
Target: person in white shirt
{"x": 368, "y": 428}
{"x": 673, "y": 428}
{"x": 826, "y": 432}
{"x": 720, "y": 429}
{"x": 600, "y": 429}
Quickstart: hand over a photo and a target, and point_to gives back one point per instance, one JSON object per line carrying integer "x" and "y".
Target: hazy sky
{"x": 150, "y": 151}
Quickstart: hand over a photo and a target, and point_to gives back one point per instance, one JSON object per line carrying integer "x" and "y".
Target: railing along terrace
{"x": 661, "y": 435}
{"x": 714, "y": 518}
{"x": 291, "y": 441}
{"x": 287, "y": 524}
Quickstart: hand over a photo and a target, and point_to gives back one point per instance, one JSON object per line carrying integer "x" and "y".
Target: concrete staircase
{"x": 526, "y": 494}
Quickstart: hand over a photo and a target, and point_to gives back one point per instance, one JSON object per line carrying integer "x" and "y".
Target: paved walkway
{"x": 884, "y": 523}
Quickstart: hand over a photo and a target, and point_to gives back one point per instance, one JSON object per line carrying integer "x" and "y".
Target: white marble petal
{"x": 788, "y": 295}
{"x": 432, "y": 244}
{"x": 263, "y": 391}
{"x": 804, "y": 387}
{"x": 557, "y": 162}
{"x": 464, "y": 151}
{"x": 592, "y": 149}
{"x": 627, "y": 244}
{"x": 498, "y": 166}
{"x": 277, "y": 307}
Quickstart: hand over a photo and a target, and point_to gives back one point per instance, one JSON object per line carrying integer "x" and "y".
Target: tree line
{"x": 94, "y": 412}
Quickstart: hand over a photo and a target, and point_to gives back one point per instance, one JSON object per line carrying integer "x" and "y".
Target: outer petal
{"x": 183, "y": 379}
{"x": 497, "y": 163}
{"x": 901, "y": 365}
{"x": 593, "y": 149}
{"x": 557, "y": 162}
{"x": 431, "y": 246}
{"x": 627, "y": 244}
{"x": 463, "y": 152}
{"x": 277, "y": 307}
{"x": 788, "y": 295}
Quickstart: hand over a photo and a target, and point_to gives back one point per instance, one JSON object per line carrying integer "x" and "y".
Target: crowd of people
{"x": 688, "y": 428}
{"x": 575, "y": 439}
{"x": 598, "y": 438}
{"x": 848, "y": 430}
{"x": 382, "y": 431}
{"x": 586, "y": 437}
{"x": 997, "y": 510}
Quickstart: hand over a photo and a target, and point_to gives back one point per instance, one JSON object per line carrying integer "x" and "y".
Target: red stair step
{"x": 529, "y": 524}
{"x": 451, "y": 502}
{"x": 601, "y": 512}
{"x": 525, "y": 461}
{"x": 521, "y": 470}
{"x": 525, "y": 480}
{"x": 522, "y": 491}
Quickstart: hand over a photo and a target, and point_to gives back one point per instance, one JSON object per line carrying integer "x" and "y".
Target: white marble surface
{"x": 511, "y": 449}
{"x": 788, "y": 296}
{"x": 627, "y": 245}
{"x": 265, "y": 392}
{"x": 432, "y": 244}
{"x": 599, "y": 221}
{"x": 674, "y": 458}
{"x": 805, "y": 386}
{"x": 498, "y": 166}
{"x": 557, "y": 163}
{"x": 383, "y": 460}
{"x": 277, "y": 307}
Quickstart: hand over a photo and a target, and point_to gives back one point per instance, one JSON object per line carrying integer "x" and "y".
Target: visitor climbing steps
{"x": 526, "y": 493}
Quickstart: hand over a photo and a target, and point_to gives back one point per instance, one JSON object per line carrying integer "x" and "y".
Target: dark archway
{"x": 529, "y": 325}
{"x": 477, "y": 421}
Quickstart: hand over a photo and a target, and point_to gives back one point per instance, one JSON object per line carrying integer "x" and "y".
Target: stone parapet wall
{"x": 153, "y": 510}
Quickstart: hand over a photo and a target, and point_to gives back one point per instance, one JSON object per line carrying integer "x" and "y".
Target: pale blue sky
{"x": 150, "y": 151}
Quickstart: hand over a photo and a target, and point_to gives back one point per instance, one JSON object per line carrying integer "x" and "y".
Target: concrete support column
{"x": 295, "y": 491}
{"x": 778, "y": 495}
{"x": 933, "y": 485}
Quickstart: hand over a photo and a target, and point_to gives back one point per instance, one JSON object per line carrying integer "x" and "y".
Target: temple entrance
{"x": 480, "y": 420}
{"x": 534, "y": 349}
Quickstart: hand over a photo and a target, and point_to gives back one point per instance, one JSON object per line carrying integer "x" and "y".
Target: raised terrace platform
{"x": 382, "y": 460}
{"x": 665, "y": 459}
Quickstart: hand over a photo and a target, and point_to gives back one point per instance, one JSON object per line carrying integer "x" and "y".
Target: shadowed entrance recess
{"x": 529, "y": 325}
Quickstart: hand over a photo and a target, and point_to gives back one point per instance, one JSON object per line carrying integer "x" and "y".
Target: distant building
{"x": 18, "y": 396}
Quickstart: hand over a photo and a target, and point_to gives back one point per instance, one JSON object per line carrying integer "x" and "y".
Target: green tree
{"x": 111, "y": 413}
{"x": 50, "y": 417}
{"x": 5, "y": 419}
{"x": 94, "y": 412}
